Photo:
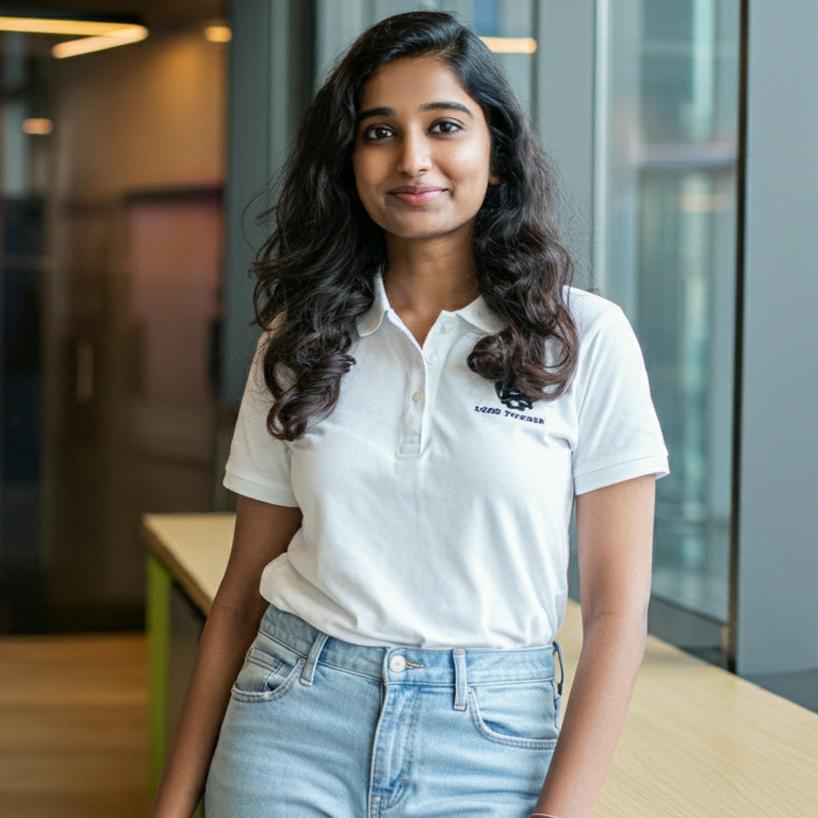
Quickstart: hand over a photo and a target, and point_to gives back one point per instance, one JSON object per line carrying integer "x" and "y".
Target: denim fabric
{"x": 317, "y": 726}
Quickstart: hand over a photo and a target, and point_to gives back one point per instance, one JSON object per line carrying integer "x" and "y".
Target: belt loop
{"x": 459, "y": 656}
{"x": 558, "y": 649}
{"x": 312, "y": 658}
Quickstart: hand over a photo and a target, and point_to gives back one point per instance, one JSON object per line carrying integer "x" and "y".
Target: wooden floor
{"x": 73, "y": 726}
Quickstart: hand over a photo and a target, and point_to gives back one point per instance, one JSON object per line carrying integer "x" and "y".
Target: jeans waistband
{"x": 405, "y": 664}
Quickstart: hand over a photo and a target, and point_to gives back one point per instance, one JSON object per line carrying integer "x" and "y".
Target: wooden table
{"x": 699, "y": 742}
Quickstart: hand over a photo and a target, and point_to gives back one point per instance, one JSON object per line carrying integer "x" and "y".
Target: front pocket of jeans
{"x": 520, "y": 714}
{"x": 264, "y": 677}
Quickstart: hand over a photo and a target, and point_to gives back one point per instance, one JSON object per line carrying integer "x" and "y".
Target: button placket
{"x": 421, "y": 384}
{"x": 411, "y": 423}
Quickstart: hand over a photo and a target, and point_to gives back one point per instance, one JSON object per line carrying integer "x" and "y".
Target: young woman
{"x": 427, "y": 398}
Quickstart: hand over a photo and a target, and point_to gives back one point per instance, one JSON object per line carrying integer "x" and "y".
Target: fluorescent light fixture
{"x": 37, "y": 126}
{"x": 94, "y": 35}
{"x": 48, "y": 25}
{"x": 511, "y": 45}
{"x": 218, "y": 33}
{"x": 123, "y": 36}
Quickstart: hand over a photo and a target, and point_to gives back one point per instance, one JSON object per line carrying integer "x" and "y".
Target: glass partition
{"x": 665, "y": 250}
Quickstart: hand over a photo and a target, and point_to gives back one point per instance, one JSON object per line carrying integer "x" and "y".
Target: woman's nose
{"x": 414, "y": 155}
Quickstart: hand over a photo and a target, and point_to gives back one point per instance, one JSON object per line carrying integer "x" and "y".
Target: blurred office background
{"x": 680, "y": 129}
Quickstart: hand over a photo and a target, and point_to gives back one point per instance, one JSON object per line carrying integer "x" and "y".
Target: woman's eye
{"x": 447, "y": 122}
{"x": 455, "y": 127}
{"x": 370, "y": 130}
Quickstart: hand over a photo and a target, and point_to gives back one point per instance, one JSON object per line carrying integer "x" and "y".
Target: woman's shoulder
{"x": 590, "y": 310}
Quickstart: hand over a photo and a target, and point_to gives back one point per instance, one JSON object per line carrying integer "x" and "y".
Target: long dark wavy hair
{"x": 315, "y": 272}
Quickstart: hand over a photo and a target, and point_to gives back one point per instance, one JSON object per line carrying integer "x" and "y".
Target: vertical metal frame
{"x": 729, "y": 645}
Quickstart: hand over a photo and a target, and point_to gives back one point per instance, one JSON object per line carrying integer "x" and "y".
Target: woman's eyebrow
{"x": 439, "y": 105}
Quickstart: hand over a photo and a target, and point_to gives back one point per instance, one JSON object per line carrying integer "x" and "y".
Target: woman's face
{"x": 398, "y": 144}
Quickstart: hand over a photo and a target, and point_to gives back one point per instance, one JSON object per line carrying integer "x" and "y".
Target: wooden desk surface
{"x": 699, "y": 742}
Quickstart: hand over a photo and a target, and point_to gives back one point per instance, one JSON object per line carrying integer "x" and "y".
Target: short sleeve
{"x": 618, "y": 435}
{"x": 258, "y": 465}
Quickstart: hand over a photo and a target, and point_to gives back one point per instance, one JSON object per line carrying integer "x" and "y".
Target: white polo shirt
{"x": 436, "y": 506}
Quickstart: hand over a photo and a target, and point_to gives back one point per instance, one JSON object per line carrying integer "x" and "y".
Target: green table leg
{"x": 159, "y": 629}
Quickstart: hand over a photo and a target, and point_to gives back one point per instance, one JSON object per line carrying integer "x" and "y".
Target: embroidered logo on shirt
{"x": 513, "y": 398}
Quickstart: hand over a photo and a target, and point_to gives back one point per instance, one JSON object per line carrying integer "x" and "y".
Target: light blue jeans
{"x": 317, "y": 726}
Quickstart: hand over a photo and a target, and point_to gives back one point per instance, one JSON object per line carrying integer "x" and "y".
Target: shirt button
{"x": 430, "y": 358}
{"x": 447, "y": 326}
{"x": 397, "y": 663}
{"x": 416, "y": 396}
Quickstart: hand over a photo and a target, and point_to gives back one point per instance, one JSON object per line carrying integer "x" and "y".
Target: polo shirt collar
{"x": 476, "y": 313}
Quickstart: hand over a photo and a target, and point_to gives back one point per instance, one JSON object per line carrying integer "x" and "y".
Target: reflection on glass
{"x": 666, "y": 132}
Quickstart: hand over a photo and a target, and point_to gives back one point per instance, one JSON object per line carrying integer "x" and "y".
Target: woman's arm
{"x": 615, "y": 545}
{"x": 262, "y": 532}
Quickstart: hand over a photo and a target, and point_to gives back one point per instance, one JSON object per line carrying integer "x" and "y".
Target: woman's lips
{"x": 418, "y": 198}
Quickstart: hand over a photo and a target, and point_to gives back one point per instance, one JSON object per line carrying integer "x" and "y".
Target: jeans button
{"x": 397, "y": 663}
